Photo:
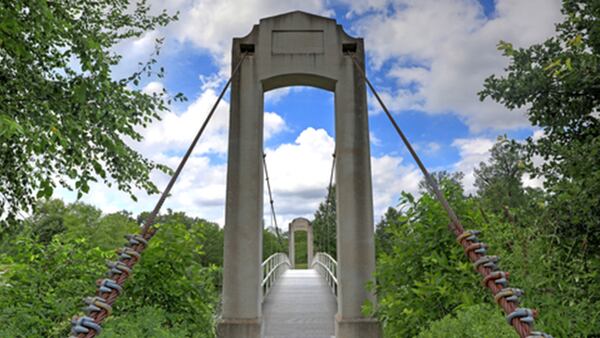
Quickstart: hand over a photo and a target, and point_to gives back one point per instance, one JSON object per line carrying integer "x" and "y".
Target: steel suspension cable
{"x": 273, "y": 214}
{"x": 455, "y": 224}
{"x": 163, "y": 197}
{"x": 327, "y": 206}
{"x": 100, "y": 306}
{"x": 497, "y": 281}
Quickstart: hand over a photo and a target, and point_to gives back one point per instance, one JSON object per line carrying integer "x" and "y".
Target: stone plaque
{"x": 297, "y": 42}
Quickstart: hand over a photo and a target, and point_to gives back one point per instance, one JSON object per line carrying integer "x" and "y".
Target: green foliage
{"x": 324, "y": 225}
{"x": 498, "y": 182}
{"x": 422, "y": 275}
{"x": 209, "y": 235}
{"x": 558, "y": 82}
{"x": 471, "y": 322}
{"x": 301, "y": 254}
{"x": 147, "y": 321}
{"x": 454, "y": 178}
{"x": 43, "y": 284}
{"x": 171, "y": 294}
{"x": 272, "y": 243}
{"x": 172, "y": 277}
{"x": 64, "y": 118}
{"x": 49, "y": 221}
{"x": 425, "y": 282}
{"x": 383, "y": 236}
{"x": 558, "y": 243}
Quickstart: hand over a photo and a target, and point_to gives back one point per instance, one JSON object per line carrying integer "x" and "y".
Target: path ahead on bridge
{"x": 300, "y": 304}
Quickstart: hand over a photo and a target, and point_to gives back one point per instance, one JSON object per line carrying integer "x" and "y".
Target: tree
{"x": 499, "y": 181}
{"x": 558, "y": 81}
{"x": 383, "y": 235}
{"x": 64, "y": 118}
{"x": 210, "y": 235}
{"x": 49, "y": 220}
{"x": 272, "y": 242}
{"x": 174, "y": 293}
{"x": 439, "y": 177}
{"x": 427, "y": 288}
{"x": 422, "y": 274}
{"x": 324, "y": 225}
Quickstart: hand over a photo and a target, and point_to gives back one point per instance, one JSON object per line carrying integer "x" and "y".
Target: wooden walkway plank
{"x": 300, "y": 305}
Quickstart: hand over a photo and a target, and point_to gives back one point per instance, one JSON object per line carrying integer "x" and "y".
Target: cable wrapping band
{"x": 520, "y": 318}
{"x": 100, "y": 306}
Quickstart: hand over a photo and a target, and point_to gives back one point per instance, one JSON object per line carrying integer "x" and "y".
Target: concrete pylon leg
{"x": 242, "y": 292}
{"x": 292, "y": 247}
{"x": 309, "y": 246}
{"x": 355, "y": 230}
{"x": 297, "y": 48}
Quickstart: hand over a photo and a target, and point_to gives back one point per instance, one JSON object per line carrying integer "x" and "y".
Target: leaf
{"x": 553, "y": 64}
{"x": 576, "y": 41}
{"x": 506, "y": 48}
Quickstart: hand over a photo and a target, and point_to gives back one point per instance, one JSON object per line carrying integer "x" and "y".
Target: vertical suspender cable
{"x": 273, "y": 214}
{"x": 163, "y": 197}
{"x": 455, "y": 224}
{"x": 327, "y": 206}
{"x": 137, "y": 243}
{"x": 520, "y": 318}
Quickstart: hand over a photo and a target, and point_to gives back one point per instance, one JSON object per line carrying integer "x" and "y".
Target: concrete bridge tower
{"x": 288, "y": 50}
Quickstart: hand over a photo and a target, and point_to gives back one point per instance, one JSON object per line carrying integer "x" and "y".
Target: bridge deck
{"x": 299, "y": 305}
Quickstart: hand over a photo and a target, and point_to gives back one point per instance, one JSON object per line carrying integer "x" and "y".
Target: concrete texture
{"x": 357, "y": 328}
{"x": 300, "y": 305}
{"x": 287, "y": 50}
{"x": 300, "y": 224}
{"x": 232, "y": 328}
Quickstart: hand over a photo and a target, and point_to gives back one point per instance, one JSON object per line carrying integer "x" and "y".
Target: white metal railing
{"x": 327, "y": 266}
{"x": 272, "y": 268}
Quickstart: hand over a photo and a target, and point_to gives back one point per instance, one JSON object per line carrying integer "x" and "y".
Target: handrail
{"x": 271, "y": 270}
{"x": 327, "y": 266}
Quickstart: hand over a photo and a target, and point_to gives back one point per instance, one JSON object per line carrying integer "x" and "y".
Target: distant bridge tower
{"x": 290, "y": 50}
{"x": 302, "y": 224}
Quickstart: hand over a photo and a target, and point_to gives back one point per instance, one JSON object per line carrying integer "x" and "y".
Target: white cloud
{"x": 273, "y": 124}
{"x": 358, "y": 7}
{"x": 175, "y": 131}
{"x": 299, "y": 174}
{"x": 531, "y": 182}
{"x": 445, "y": 49}
{"x": 390, "y": 178}
{"x": 199, "y": 191}
{"x": 144, "y": 45}
{"x": 537, "y": 182}
{"x": 432, "y": 148}
{"x": 276, "y": 95}
{"x": 409, "y": 75}
{"x": 154, "y": 87}
{"x": 440, "y": 52}
{"x": 472, "y": 152}
{"x": 375, "y": 141}
{"x": 211, "y": 24}
{"x": 400, "y": 99}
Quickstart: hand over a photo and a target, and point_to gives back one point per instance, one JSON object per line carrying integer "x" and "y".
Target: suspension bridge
{"x": 269, "y": 298}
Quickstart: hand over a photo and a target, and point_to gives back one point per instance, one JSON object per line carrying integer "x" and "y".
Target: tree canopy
{"x": 499, "y": 182}
{"x": 64, "y": 117}
{"x": 558, "y": 83}
{"x": 324, "y": 225}
{"x": 51, "y": 263}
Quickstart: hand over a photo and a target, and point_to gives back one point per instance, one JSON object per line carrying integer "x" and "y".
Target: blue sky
{"x": 427, "y": 58}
